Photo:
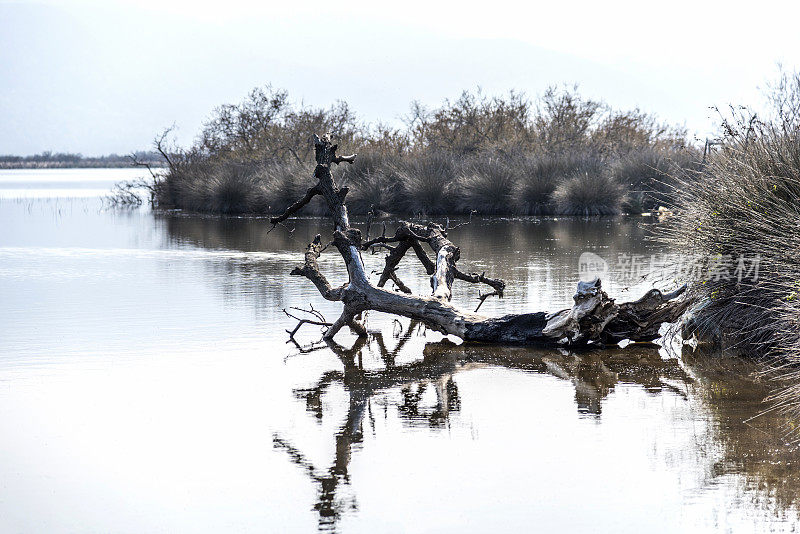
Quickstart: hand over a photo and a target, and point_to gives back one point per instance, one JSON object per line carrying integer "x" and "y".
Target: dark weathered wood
{"x": 594, "y": 318}
{"x": 297, "y": 206}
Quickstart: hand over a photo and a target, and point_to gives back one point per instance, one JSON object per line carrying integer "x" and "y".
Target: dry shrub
{"x": 746, "y": 202}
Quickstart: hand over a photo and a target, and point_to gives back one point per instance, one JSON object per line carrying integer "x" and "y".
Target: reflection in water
{"x": 593, "y": 374}
{"x": 145, "y": 385}
{"x": 537, "y": 258}
{"x": 756, "y": 442}
{"x": 744, "y": 445}
{"x": 751, "y": 447}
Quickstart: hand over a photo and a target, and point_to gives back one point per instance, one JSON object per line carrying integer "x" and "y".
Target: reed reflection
{"x": 544, "y": 275}
{"x": 759, "y": 444}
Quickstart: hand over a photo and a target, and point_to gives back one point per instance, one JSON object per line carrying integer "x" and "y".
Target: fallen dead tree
{"x": 594, "y": 319}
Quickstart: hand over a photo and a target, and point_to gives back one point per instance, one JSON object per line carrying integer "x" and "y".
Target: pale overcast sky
{"x": 104, "y": 76}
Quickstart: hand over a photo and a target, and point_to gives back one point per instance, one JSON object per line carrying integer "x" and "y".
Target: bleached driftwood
{"x": 595, "y": 318}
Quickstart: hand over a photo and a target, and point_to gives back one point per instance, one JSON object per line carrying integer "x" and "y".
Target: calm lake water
{"x": 146, "y": 385}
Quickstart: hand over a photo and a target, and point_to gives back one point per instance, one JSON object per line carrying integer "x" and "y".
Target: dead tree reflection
{"x": 593, "y": 374}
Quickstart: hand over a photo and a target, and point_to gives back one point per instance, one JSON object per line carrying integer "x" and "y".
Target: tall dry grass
{"x": 485, "y": 185}
{"x": 537, "y": 178}
{"x": 746, "y": 202}
{"x": 426, "y": 183}
{"x": 590, "y": 190}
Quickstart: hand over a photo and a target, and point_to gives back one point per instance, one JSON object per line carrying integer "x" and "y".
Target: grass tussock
{"x": 746, "y": 203}
{"x": 372, "y": 182}
{"x": 425, "y": 183}
{"x": 505, "y": 155}
{"x": 589, "y": 193}
{"x": 486, "y": 186}
{"x": 651, "y": 176}
{"x": 537, "y": 179}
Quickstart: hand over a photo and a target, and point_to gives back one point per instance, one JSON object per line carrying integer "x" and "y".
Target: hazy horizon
{"x": 98, "y": 78}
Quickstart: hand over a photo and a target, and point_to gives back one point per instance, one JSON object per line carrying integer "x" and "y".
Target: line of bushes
{"x": 559, "y": 154}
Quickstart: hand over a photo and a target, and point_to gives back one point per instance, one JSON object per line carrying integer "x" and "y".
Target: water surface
{"x": 146, "y": 385}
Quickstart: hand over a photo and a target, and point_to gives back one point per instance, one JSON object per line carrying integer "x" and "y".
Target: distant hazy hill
{"x": 60, "y": 160}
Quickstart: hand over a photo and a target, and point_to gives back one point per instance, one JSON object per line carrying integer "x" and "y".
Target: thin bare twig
{"x": 483, "y": 297}
{"x": 319, "y": 321}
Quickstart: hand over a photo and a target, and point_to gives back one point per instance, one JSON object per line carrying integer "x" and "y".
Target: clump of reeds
{"x": 426, "y": 181}
{"x": 645, "y": 174}
{"x": 129, "y": 193}
{"x": 372, "y": 182}
{"x": 485, "y": 185}
{"x": 746, "y": 204}
{"x": 589, "y": 191}
{"x": 284, "y": 183}
{"x": 537, "y": 178}
{"x": 231, "y": 190}
{"x": 650, "y": 175}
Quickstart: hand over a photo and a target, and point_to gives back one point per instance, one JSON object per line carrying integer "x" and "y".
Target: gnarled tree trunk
{"x": 594, "y": 319}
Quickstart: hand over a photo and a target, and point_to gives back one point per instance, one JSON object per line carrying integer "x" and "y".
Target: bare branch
{"x": 301, "y": 322}
{"x": 293, "y": 153}
{"x": 160, "y": 143}
{"x": 136, "y": 163}
{"x": 344, "y": 159}
{"x": 483, "y": 297}
{"x": 400, "y": 285}
{"x": 325, "y": 152}
{"x": 311, "y": 311}
{"x": 297, "y": 206}
{"x": 423, "y": 257}
{"x": 447, "y": 226}
{"x": 496, "y": 283}
{"x": 346, "y": 319}
{"x": 310, "y": 270}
